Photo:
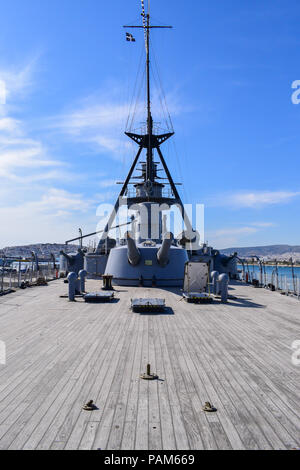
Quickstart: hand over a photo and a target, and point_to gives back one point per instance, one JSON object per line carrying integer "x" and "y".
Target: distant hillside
{"x": 280, "y": 252}
{"x": 40, "y": 249}
{"x": 270, "y": 251}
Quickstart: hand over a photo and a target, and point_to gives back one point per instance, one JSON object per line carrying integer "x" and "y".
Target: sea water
{"x": 284, "y": 276}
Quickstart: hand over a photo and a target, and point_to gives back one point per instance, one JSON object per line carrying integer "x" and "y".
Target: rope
{"x": 162, "y": 89}
{"x": 165, "y": 117}
{"x": 137, "y": 101}
{"x": 134, "y": 90}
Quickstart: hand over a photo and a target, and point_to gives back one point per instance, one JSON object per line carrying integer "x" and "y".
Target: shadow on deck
{"x": 239, "y": 302}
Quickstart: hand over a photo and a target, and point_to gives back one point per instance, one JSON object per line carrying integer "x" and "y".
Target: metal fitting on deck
{"x": 82, "y": 275}
{"x": 223, "y": 287}
{"x": 148, "y": 375}
{"x": 214, "y": 281}
{"x": 72, "y": 281}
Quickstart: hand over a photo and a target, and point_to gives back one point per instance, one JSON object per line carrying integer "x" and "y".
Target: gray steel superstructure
{"x": 149, "y": 254}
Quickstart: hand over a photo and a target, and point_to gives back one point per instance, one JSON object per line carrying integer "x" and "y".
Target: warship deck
{"x": 237, "y": 356}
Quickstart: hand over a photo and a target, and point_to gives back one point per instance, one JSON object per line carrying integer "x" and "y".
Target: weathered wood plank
{"x": 62, "y": 354}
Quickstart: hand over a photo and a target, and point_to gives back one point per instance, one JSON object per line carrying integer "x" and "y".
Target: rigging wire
{"x": 164, "y": 111}
{"x": 135, "y": 88}
{"x": 126, "y": 103}
{"x": 163, "y": 101}
{"x": 160, "y": 93}
{"x": 137, "y": 101}
{"x": 162, "y": 88}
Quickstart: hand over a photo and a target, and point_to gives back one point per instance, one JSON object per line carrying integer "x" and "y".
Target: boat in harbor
{"x": 151, "y": 341}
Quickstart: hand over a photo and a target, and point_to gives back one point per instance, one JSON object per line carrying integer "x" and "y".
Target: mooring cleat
{"x": 209, "y": 408}
{"x": 148, "y": 375}
{"x": 89, "y": 406}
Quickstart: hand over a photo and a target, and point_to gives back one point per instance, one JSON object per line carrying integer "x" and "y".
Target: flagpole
{"x": 149, "y": 120}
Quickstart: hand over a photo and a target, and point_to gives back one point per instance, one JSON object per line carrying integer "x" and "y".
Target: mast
{"x": 150, "y": 189}
{"x": 148, "y": 141}
{"x": 149, "y": 117}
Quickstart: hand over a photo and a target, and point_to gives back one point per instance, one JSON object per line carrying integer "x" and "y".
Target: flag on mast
{"x": 129, "y": 37}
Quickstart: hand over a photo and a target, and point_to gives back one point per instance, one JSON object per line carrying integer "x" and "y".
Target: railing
{"x": 166, "y": 193}
{"x": 272, "y": 280}
{"x": 25, "y": 276}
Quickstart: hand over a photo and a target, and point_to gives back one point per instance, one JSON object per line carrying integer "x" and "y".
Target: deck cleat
{"x": 208, "y": 408}
{"x": 148, "y": 375}
{"x": 90, "y": 406}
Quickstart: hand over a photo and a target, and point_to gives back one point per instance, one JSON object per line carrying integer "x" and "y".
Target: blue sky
{"x": 227, "y": 68}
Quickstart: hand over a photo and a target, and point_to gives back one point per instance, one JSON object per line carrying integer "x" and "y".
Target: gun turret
{"x": 163, "y": 252}
{"x": 134, "y": 255}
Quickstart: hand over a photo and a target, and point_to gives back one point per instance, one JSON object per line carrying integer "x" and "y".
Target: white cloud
{"x": 50, "y": 203}
{"x": 263, "y": 224}
{"x": 100, "y": 120}
{"x": 3, "y": 92}
{"x": 106, "y": 196}
{"x": 107, "y": 183}
{"x": 23, "y": 159}
{"x": 101, "y": 126}
{"x": 52, "y": 216}
{"x": 236, "y": 236}
{"x": 254, "y": 199}
{"x": 235, "y": 231}
{"x": 19, "y": 153}
{"x": 17, "y": 81}
{"x": 31, "y": 208}
{"x": 9, "y": 125}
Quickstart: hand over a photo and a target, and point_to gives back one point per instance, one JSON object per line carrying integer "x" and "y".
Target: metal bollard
{"x": 107, "y": 282}
{"x": 214, "y": 278}
{"x": 223, "y": 286}
{"x": 82, "y": 276}
{"x": 72, "y": 278}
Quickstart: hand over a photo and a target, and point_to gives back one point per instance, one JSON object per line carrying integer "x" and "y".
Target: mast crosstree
{"x": 150, "y": 189}
{"x": 149, "y": 140}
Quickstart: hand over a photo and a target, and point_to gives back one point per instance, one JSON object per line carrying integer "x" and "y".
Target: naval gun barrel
{"x": 134, "y": 255}
{"x": 68, "y": 257}
{"x": 163, "y": 252}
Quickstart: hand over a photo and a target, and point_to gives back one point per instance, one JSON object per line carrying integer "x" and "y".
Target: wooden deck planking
{"x": 205, "y": 387}
{"x": 237, "y": 356}
{"x": 165, "y": 423}
{"x": 44, "y": 395}
{"x": 184, "y": 387}
{"x": 142, "y": 431}
{"x": 110, "y": 394}
{"x": 71, "y": 431}
{"x": 180, "y": 432}
{"x": 63, "y": 405}
{"x": 129, "y": 427}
